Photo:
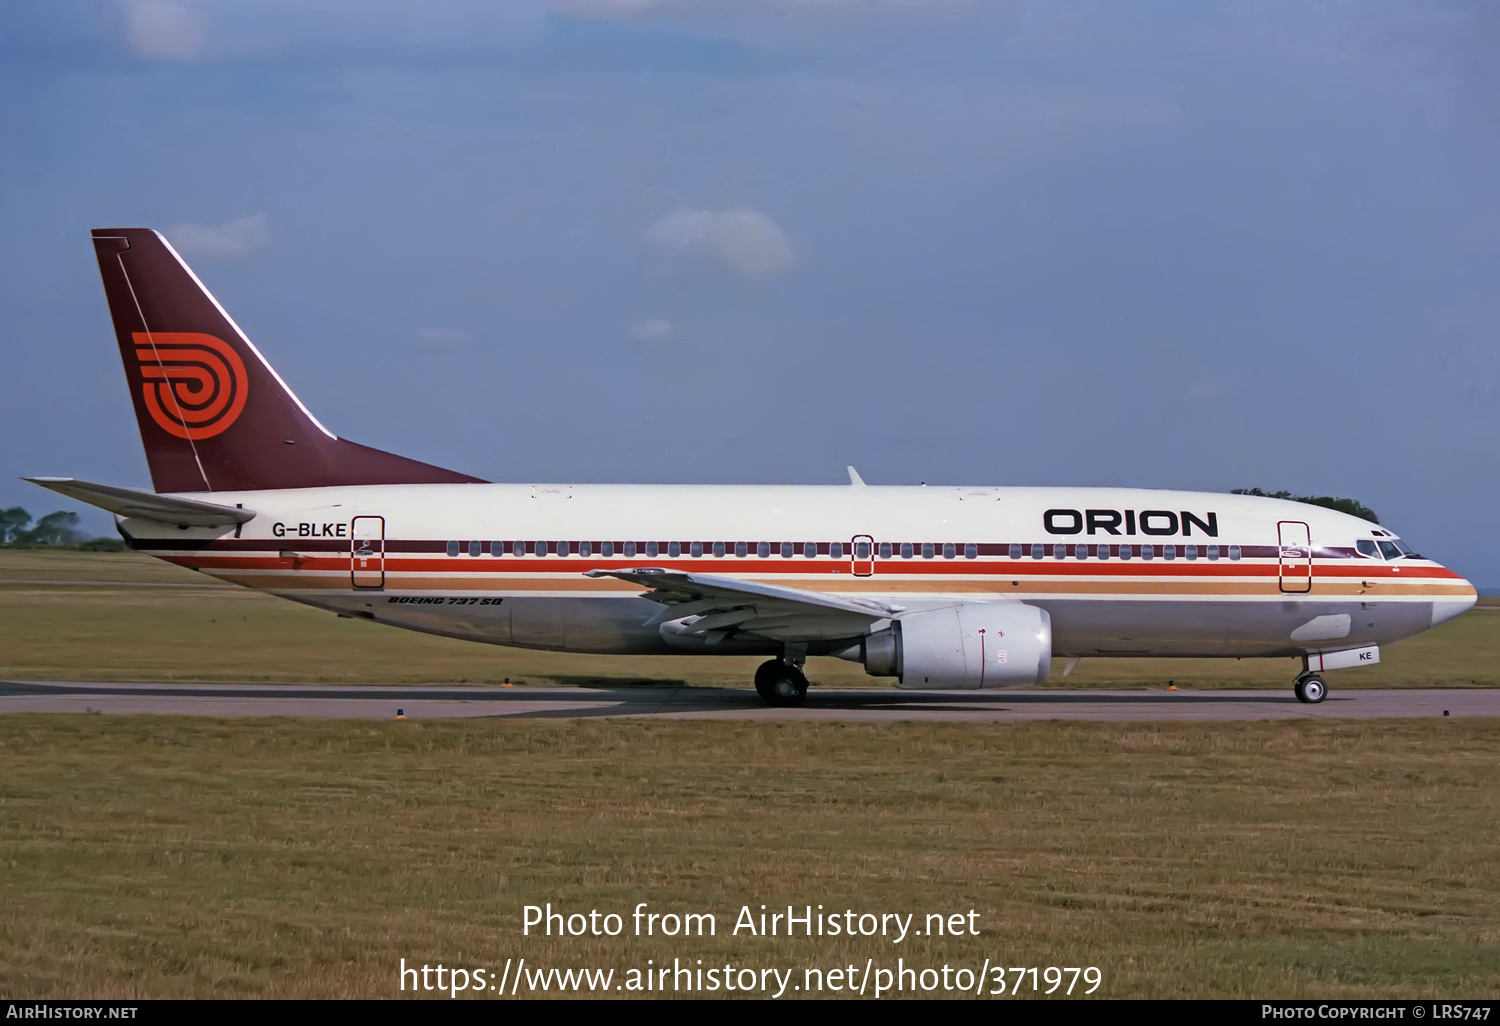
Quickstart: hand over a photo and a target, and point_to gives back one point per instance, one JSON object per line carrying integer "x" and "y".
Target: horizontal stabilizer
{"x": 128, "y": 502}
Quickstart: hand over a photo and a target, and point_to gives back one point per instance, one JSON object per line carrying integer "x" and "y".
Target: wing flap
{"x": 727, "y": 603}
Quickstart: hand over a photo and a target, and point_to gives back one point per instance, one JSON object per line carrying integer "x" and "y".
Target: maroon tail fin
{"x": 213, "y": 414}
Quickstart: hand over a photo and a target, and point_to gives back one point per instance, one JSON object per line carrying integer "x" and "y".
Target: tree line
{"x": 1351, "y": 506}
{"x": 53, "y": 531}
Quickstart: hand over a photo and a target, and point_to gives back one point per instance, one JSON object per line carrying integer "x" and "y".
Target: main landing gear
{"x": 781, "y": 683}
{"x": 1310, "y": 689}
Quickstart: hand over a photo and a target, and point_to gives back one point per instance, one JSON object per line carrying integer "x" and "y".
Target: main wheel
{"x": 765, "y": 679}
{"x": 1310, "y": 689}
{"x": 780, "y": 684}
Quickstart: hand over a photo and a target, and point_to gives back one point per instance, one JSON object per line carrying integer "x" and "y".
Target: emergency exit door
{"x": 367, "y": 552}
{"x": 1296, "y": 556}
{"x": 862, "y": 556}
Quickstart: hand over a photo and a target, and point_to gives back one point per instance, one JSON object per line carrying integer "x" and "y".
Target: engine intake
{"x": 973, "y": 645}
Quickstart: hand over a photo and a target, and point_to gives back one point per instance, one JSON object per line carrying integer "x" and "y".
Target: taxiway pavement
{"x": 381, "y": 702}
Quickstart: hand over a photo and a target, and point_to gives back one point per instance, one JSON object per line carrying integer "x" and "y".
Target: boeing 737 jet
{"x": 971, "y": 587}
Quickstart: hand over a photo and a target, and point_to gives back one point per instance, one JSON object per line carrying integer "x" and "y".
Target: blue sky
{"x": 1190, "y": 245}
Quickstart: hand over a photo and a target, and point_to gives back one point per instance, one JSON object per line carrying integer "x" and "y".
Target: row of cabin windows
{"x": 835, "y": 550}
{"x": 1061, "y": 551}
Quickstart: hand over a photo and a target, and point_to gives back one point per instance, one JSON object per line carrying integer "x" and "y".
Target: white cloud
{"x": 228, "y": 241}
{"x": 164, "y": 30}
{"x": 442, "y": 338}
{"x": 746, "y": 241}
{"x": 656, "y": 329}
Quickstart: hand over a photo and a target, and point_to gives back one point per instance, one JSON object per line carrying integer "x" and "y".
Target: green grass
{"x": 105, "y": 626}
{"x": 147, "y": 857}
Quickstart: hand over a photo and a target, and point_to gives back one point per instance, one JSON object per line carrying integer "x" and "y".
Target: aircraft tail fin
{"x": 213, "y": 414}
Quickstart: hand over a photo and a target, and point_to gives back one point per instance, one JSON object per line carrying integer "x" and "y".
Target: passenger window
{"x": 906, "y": 550}
{"x": 718, "y": 548}
{"x": 1148, "y": 551}
{"x": 1169, "y": 551}
{"x": 1365, "y": 547}
{"x": 1234, "y": 552}
{"x": 885, "y": 550}
{"x": 1081, "y": 551}
{"x": 1060, "y": 552}
{"x": 836, "y": 550}
{"x": 585, "y": 548}
{"x": 696, "y": 549}
{"x": 607, "y": 549}
{"x": 453, "y": 548}
{"x": 971, "y": 551}
{"x": 949, "y": 551}
{"x": 475, "y": 548}
{"x": 786, "y": 550}
{"x": 763, "y": 549}
{"x": 1190, "y": 551}
{"x": 1015, "y": 550}
{"x": 630, "y": 550}
{"x": 1104, "y": 552}
{"x": 497, "y": 548}
{"x": 1036, "y": 551}
{"x": 861, "y": 550}
{"x": 652, "y": 549}
{"x": 540, "y": 548}
{"x": 1125, "y": 551}
{"x": 562, "y": 548}
{"x": 810, "y": 550}
{"x": 927, "y": 550}
{"x": 741, "y": 549}
{"x": 518, "y": 548}
{"x": 674, "y": 549}
{"x": 1213, "y": 552}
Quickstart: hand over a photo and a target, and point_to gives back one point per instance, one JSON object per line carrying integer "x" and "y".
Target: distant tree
{"x": 60, "y": 528}
{"x": 13, "y": 523}
{"x": 1351, "y": 506}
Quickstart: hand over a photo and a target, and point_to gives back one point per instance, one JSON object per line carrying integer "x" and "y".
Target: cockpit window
{"x": 1365, "y": 547}
{"x": 1389, "y": 550}
{"x": 1395, "y": 548}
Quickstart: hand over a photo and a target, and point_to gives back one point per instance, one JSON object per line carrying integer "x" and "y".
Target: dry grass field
{"x": 154, "y": 858}
{"x": 122, "y": 616}
{"x": 163, "y": 857}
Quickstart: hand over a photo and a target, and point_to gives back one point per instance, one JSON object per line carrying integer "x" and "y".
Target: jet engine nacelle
{"x": 973, "y": 645}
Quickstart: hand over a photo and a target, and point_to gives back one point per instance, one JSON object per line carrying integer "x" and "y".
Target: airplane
{"x": 937, "y": 587}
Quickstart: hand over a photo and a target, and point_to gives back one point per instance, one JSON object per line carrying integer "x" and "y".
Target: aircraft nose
{"x": 1459, "y": 602}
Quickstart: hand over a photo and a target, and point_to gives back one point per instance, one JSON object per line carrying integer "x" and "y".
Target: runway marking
{"x": 379, "y": 702}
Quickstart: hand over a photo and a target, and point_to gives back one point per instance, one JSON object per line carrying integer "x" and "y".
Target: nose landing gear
{"x": 781, "y": 683}
{"x": 1310, "y": 689}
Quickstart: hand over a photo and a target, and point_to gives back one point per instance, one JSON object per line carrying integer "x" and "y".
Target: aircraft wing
{"x": 721, "y": 604}
{"x": 129, "y": 502}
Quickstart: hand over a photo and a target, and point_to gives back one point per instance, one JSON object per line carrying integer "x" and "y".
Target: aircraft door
{"x": 1296, "y": 556}
{"x": 862, "y": 556}
{"x": 367, "y": 553}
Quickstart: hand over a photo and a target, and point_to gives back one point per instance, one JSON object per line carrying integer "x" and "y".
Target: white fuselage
{"x": 1119, "y": 571}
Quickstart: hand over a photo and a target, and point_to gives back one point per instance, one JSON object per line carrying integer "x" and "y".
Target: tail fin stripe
{"x": 152, "y": 342}
{"x": 244, "y": 338}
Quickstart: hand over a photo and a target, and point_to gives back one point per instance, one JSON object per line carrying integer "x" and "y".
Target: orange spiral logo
{"x": 195, "y": 385}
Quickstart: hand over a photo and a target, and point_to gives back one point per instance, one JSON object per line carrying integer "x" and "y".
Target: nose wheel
{"x": 1310, "y": 689}
{"x": 780, "y": 683}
